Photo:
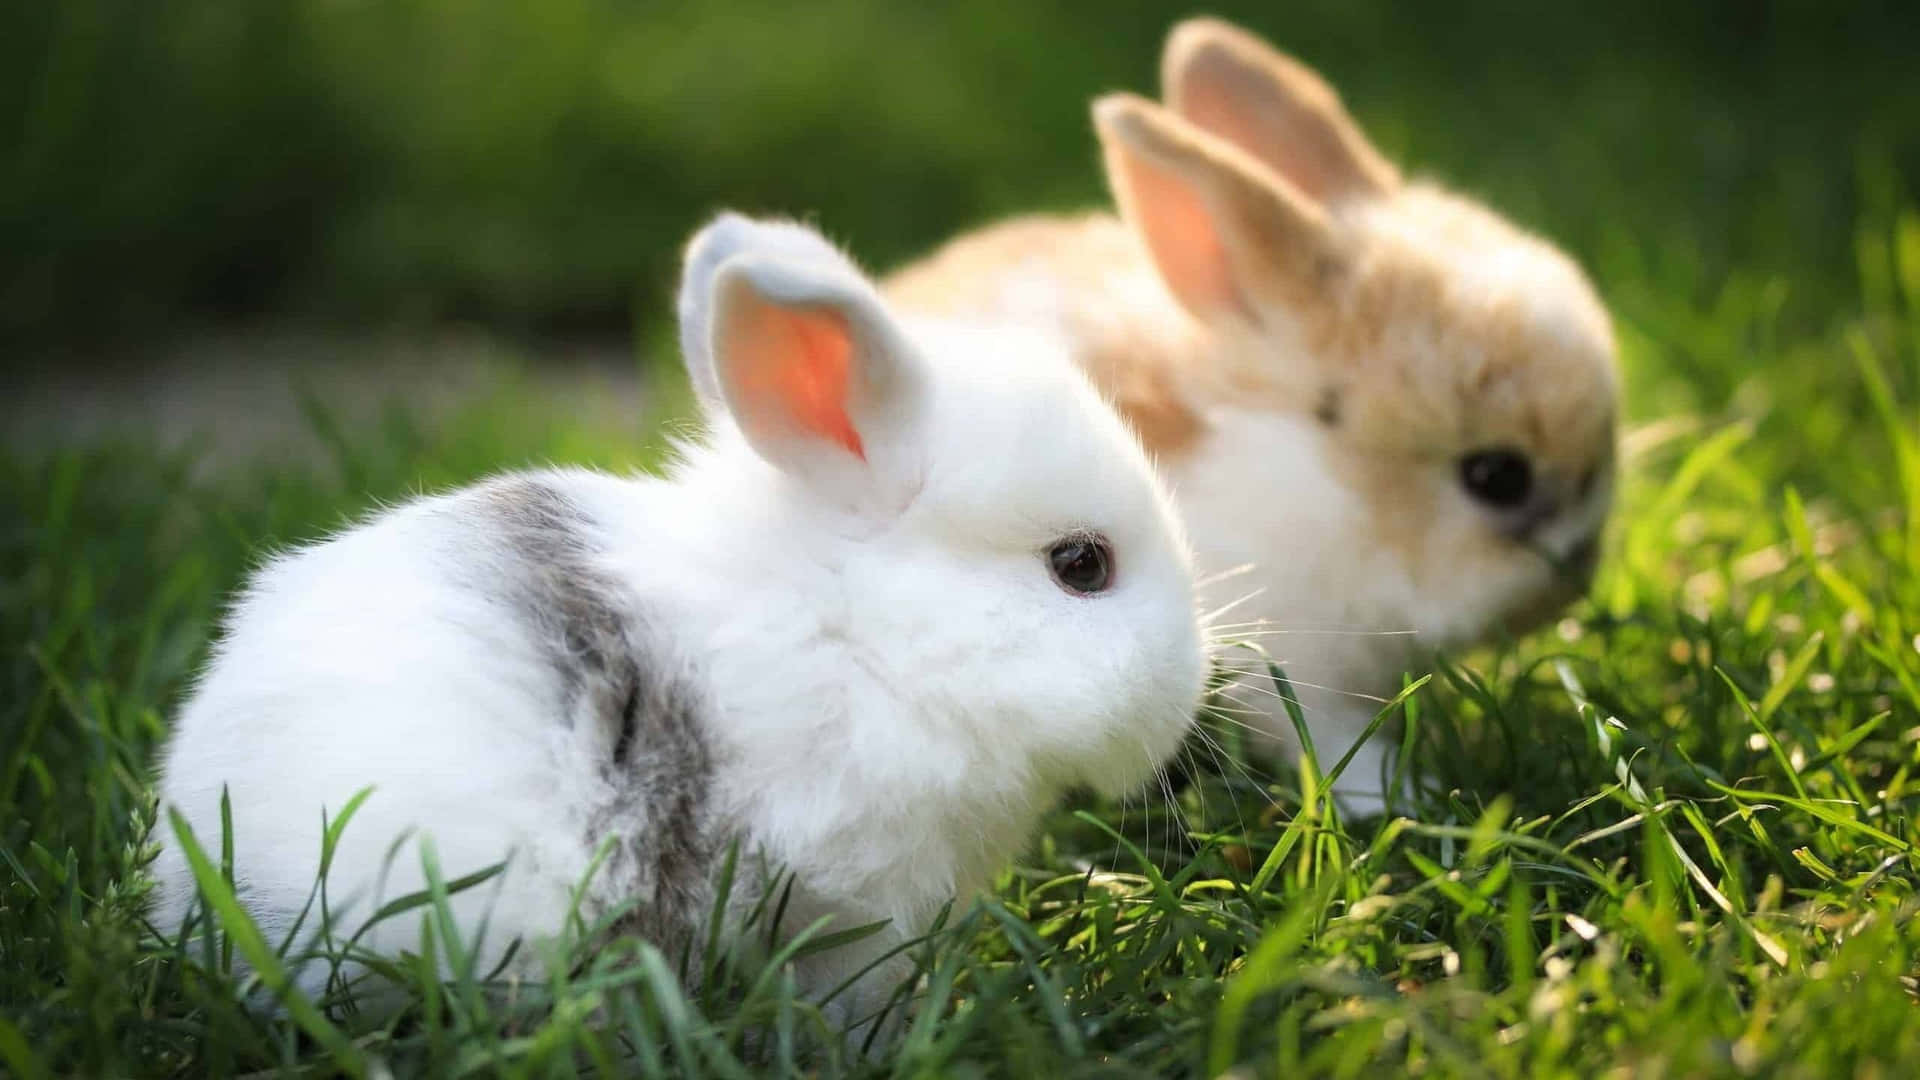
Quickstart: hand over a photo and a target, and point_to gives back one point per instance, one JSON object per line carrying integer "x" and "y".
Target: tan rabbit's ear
{"x": 1223, "y": 233}
{"x": 1237, "y": 86}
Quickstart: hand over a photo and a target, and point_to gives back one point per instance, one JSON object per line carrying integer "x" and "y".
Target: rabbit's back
{"x": 475, "y": 661}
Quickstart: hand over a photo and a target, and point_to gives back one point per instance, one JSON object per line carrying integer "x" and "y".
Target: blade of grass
{"x": 1264, "y": 970}
{"x": 1766, "y": 733}
{"x": 218, "y": 895}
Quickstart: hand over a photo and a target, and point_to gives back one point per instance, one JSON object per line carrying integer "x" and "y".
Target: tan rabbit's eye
{"x": 1082, "y": 563}
{"x": 1502, "y": 478}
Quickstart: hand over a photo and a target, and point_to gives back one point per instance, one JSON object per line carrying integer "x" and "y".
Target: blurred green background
{"x": 531, "y": 166}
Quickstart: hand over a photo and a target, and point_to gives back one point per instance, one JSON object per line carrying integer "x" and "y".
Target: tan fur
{"x": 1313, "y": 347}
{"x": 1427, "y": 363}
{"x": 1131, "y": 351}
{"x": 1230, "y": 83}
{"x": 1441, "y": 363}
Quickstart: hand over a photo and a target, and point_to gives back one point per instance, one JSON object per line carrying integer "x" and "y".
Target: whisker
{"x": 1216, "y": 578}
{"x": 1221, "y": 762}
{"x": 1265, "y": 621}
{"x": 1275, "y": 694}
{"x": 1230, "y": 605}
{"x": 1223, "y": 633}
{"x": 1246, "y": 727}
{"x": 1193, "y": 775}
{"x": 1173, "y": 810}
{"x": 1246, "y": 708}
{"x": 1261, "y": 673}
{"x": 1358, "y": 694}
{"x": 1185, "y": 820}
{"x": 1221, "y": 757}
{"x": 1146, "y": 816}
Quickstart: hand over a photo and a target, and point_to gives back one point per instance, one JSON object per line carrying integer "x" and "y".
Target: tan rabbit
{"x": 1396, "y": 406}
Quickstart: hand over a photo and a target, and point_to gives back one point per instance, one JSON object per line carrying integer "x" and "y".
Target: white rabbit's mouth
{"x": 1126, "y": 777}
{"x": 1139, "y": 741}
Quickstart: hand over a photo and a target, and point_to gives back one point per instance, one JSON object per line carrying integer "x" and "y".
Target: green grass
{"x": 1672, "y": 836}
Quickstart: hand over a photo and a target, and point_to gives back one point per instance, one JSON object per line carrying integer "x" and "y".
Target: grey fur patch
{"x": 641, "y": 715}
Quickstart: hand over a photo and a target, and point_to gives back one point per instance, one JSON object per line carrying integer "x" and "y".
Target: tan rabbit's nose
{"x": 1524, "y": 522}
{"x": 1565, "y": 498}
{"x": 1584, "y": 558}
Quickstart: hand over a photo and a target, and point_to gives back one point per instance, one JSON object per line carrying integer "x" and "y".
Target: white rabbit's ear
{"x": 1226, "y": 236}
{"x": 723, "y": 238}
{"x": 787, "y": 337}
{"x": 1237, "y": 86}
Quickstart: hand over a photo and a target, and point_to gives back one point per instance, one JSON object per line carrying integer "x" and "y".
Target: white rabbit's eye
{"x": 1501, "y": 478}
{"x": 1082, "y": 563}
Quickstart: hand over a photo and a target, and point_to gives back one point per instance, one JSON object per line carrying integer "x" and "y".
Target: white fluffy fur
{"x": 1344, "y": 616}
{"x": 893, "y": 693}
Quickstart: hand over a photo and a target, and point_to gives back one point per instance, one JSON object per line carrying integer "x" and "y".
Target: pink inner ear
{"x": 1299, "y": 152}
{"x": 798, "y": 363}
{"x": 1183, "y": 236}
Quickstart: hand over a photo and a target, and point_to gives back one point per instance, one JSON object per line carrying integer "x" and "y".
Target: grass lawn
{"x": 1671, "y": 836}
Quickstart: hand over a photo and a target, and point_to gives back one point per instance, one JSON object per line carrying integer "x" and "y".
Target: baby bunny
{"x": 1397, "y": 407}
{"x": 915, "y": 583}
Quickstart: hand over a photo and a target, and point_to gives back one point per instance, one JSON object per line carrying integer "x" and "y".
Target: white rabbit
{"x": 915, "y": 583}
{"x": 1395, "y": 405}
